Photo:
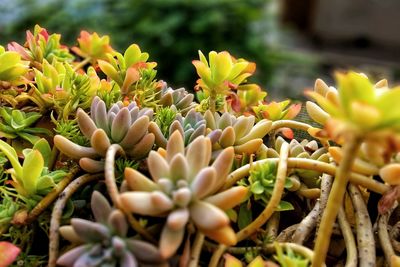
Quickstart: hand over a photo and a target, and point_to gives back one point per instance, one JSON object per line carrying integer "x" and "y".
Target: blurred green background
{"x": 293, "y": 42}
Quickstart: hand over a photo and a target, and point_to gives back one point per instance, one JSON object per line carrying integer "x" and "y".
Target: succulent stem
{"x": 57, "y": 213}
{"x": 306, "y": 226}
{"x": 196, "y": 249}
{"x": 309, "y": 164}
{"x": 365, "y": 234}
{"x": 82, "y": 63}
{"x": 109, "y": 174}
{"x": 50, "y": 197}
{"x": 335, "y": 200}
{"x": 212, "y": 101}
{"x": 275, "y": 197}
{"x": 383, "y": 234}
{"x": 351, "y": 249}
{"x": 273, "y": 226}
{"x": 216, "y": 256}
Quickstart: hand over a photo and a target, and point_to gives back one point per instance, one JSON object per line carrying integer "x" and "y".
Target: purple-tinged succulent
{"x": 179, "y": 98}
{"x": 104, "y": 242}
{"x": 239, "y": 132}
{"x": 191, "y": 126}
{"x": 185, "y": 188}
{"x": 126, "y": 126}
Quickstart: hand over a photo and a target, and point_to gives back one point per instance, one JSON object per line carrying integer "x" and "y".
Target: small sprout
{"x": 288, "y": 258}
{"x": 277, "y": 110}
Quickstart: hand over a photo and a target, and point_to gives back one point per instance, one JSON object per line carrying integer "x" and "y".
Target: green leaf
{"x": 132, "y": 55}
{"x": 29, "y": 137}
{"x": 44, "y": 183}
{"x": 32, "y": 169}
{"x": 245, "y": 216}
{"x": 12, "y": 157}
{"x": 44, "y": 148}
{"x": 284, "y": 205}
{"x": 257, "y": 188}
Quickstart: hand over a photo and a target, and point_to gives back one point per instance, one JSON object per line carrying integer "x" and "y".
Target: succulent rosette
{"x": 104, "y": 242}
{"x": 179, "y": 98}
{"x": 190, "y": 126}
{"x": 184, "y": 188}
{"x": 239, "y": 132}
{"x": 123, "y": 125}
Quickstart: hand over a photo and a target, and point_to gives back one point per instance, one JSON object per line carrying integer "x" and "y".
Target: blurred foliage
{"x": 172, "y": 31}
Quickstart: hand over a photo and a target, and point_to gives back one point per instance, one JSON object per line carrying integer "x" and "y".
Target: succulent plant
{"x": 58, "y": 86}
{"x": 277, "y": 110}
{"x": 12, "y": 69}
{"x": 32, "y": 179}
{"x": 190, "y": 127}
{"x": 221, "y": 74}
{"x": 104, "y": 242}
{"x": 179, "y": 98}
{"x": 126, "y": 126}
{"x": 124, "y": 70}
{"x": 184, "y": 188}
{"x": 92, "y": 47}
{"x": 16, "y": 123}
{"x": 39, "y": 46}
{"x": 305, "y": 149}
{"x": 239, "y": 132}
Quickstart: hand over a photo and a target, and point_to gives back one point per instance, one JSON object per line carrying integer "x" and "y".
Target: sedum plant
{"x": 41, "y": 46}
{"x": 32, "y": 180}
{"x": 126, "y": 126}
{"x": 12, "y": 69}
{"x": 92, "y": 47}
{"x": 185, "y": 189}
{"x": 16, "y": 123}
{"x": 104, "y": 242}
{"x": 222, "y": 73}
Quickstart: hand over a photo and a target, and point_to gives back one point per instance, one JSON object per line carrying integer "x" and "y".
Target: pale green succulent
{"x": 239, "y": 132}
{"x": 104, "y": 242}
{"x": 185, "y": 188}
{"x": 126, "y": 126}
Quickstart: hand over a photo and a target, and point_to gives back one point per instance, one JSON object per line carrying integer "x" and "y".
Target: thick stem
{"x": 365, "y": 234}
{"x": 273, "y": 225}
{"x": 82, "y": 63}
{"x": 335, "y": 200}
{"x": 309, "y": 164}
{"x": 216, "y": 256}
{"x": 57, "y": 213}
{"x": 50, "y": 197}
{"x": 212, "y": 101}
{"x": 196, "y": 250}
{"x": 112, "y": 188}
{"x": 275, "y": 197}
{"x": 351, "y": 249}
{"x": 306, "y": 226}
{"x": 326, "y": 185}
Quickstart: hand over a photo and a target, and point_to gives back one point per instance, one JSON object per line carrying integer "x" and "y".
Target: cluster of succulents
{"x": 189, "y": 179}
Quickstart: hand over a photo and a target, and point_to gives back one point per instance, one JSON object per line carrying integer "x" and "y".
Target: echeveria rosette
{"x": 239, "y": 132}
{"x": 123, "y": 125}
{"x": 185, "y": 188}
{"x": 104, "y": 242}
{"x": 92, "y": 46}
{"x": 190, "y": 127}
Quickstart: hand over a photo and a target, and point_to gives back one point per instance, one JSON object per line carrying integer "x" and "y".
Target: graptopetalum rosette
{"x": 123, "y": 125}
{"x": 184, "y": 188}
